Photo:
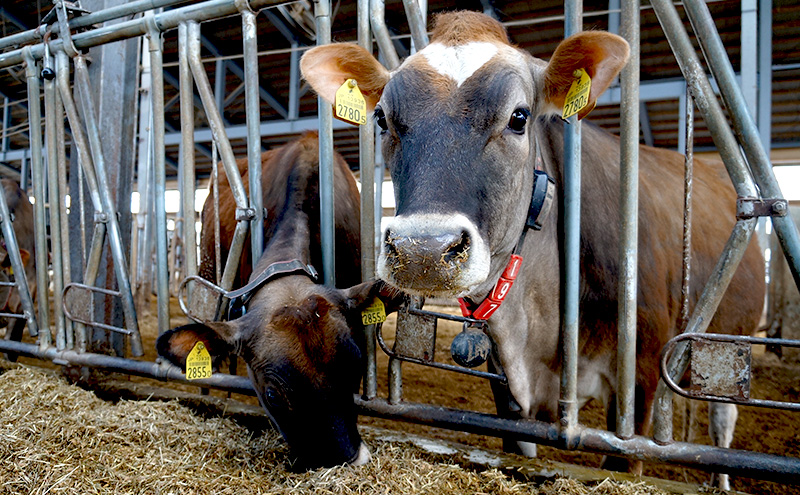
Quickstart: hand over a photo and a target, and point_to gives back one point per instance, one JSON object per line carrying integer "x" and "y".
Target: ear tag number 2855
{"x": 374, "y": 313}
{"x": 350, "y": 104}
{"x": 198, "y": 363}
{"x": 578, "y": 94}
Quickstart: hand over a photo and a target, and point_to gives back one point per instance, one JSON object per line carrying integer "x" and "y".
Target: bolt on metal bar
{"x": 629, "y": 223}
{"x": 322, "y": 15}
{"x": 378, "y": 21}
{"x": 159, "y": 172}
{"x": 366, "y": 165}
{"x": 187, "y": 152}
{"x": 54, "y": 190}
{"x": 567, "y": 402}
{"x": 253, "y": 115}
{"x": 37, "y": 172}
{"x": 745, "y": 127}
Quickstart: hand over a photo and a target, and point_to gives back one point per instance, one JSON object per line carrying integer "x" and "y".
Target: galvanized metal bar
{"x": 114, "y": 235}
{"x": 144, "y": 177}
{"x": 748, "y": 53}
{"x": 416, "y": 23}
{"x": 215, "y": 121}
{"x": 187, "y": 153}
{"x": 745, "y": 127}
{"x": 37, "y": 174}
{"x": 169, "y": 19}
{"x": 253, "y": 115}
{"x": 366, "y": 166}
{"x": 159, "y": 172}
{"x": 629, "y": 228}
{"x": 54, "y": 195}
{"x": 6, "y": 124}
{"x": 567, "y": 402}
{"x": 294, "y": 82}
{"x": 378, "y": 21}
{"x": 322, "y": 15}
{"x": 61, "y": 171}
{"x": 235, "y": 253}
{"x": 765, "y": 73}
{"x": 90, "y": 274}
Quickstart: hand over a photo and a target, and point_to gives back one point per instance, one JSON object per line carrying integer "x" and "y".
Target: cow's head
{"x": 457, "y": 125}
{"x": 303, "y": 344}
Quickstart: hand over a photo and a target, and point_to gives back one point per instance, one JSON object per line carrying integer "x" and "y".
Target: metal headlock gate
{"x": 68, "y": 31}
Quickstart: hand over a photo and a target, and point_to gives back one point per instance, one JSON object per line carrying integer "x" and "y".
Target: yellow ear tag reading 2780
{"x": 198, "y": 363}
{"x": 578, "y": 94}
{"x": 374, "y": 313}
{"x": 350, "y": 104}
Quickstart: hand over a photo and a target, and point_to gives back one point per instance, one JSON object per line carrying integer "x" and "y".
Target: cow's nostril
{"x": 389, "y": 243}
{"x": 458, "y": 251}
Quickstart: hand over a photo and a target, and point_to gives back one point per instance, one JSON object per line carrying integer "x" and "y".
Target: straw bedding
{"x": 58, "y": 438}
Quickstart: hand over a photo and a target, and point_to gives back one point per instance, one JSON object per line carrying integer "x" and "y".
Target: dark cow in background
{"x": 21, "y": 210}
{"x": 460, "y": 123}
{"x": 302, "y": 341}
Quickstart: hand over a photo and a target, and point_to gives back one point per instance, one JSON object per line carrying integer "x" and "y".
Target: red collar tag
{"x": 495, "y": 298}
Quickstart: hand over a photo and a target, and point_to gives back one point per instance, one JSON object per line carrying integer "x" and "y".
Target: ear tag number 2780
{"x": 578, "y": 94}
{"x": 350, "y": 104}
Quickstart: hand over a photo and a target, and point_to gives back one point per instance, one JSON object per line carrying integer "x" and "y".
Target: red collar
{"x": 495, "y": 298}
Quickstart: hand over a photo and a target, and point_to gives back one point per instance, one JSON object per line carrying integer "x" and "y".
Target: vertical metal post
{"x": 144, "y": 177}
{"x": 253, "y": 112}
{"x": 61, "y": 169}
{"x": 187, "y": 152}
{"x": 366, "y": 164}
{"x": 567, "y": 404}
{"x": 765, "y": 73}
{"x": 37, "y": 174}
{"x": 6, "y": 123}
{"x": 748, "y": 41}
{"x": 629, "y": 224}
{"x": 416, "y": 23}
{"x": 294, "y": 81}
{"x": 377, "y": 20}
{"x": 51, "y": 137}
{"x": 159, "y": 173}
{"x": 322, "y": 14}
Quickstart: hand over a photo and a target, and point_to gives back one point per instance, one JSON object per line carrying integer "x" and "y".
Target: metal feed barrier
{"x": 68, "y": 31}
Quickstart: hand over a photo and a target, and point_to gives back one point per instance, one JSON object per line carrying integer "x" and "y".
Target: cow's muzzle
{"x": 432, "y": 257}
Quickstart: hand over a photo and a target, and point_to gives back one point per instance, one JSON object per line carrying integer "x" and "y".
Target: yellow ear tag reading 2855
{"x": 350, "y": 104}
{"x": 374, "y": 313}
{"x": 198, "y": 363}
{"x": 578, "y": 94}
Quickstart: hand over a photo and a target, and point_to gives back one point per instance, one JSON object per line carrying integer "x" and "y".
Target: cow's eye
{"x": 518, "y": 120}
{"x": 380, "y": 118}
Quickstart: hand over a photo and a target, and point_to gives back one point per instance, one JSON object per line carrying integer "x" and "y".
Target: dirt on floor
{"x": 758, "y": 429}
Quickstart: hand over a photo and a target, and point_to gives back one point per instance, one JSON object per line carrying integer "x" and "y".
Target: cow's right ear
{"x": 174, "y": 345}
{"x": 327, "y": 67}
{"x": 362, "y": 295}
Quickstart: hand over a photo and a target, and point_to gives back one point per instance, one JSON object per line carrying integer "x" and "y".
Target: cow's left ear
{"x": 327, "y": 67}
{"x": 362, "y": 295}
{"x": 174, "y": 345}
{"x": 602, "y": 55}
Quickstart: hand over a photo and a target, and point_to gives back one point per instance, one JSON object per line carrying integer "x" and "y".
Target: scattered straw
{"x": 57, "y": 438}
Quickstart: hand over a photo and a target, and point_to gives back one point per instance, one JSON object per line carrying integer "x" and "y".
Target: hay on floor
{"x": 60, "y": 439}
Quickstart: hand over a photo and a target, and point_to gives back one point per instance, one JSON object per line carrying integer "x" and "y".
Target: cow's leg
{"x": 507, "y": 407}
{"x": 721, "y": 423}
{"x": 14, "y": 332}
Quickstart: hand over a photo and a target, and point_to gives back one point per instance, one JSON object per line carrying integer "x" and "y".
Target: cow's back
{"x": 283, "y": 169}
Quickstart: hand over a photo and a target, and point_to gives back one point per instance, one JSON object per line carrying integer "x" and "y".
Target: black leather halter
{"x": 240, "y": 297}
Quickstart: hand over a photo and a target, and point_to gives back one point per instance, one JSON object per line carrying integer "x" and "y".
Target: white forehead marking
{"x": 459, "y": 62}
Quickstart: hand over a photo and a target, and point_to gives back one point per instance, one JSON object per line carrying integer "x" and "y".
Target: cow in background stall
{"x": 21, "y": 211}
{"x": 302, "y": 341}
{"x": 462, "y": 122}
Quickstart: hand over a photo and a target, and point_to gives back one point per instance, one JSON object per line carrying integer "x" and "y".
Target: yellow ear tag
{"x": 350, "y": 104}
{"x": 198, "y": 363}
{"x": 374, "y": 313}
{"x": 578, "y": 94}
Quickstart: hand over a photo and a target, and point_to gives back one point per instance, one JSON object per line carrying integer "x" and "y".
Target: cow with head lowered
{"x": 462, "y": 123}
{"x": 302, "y": 341}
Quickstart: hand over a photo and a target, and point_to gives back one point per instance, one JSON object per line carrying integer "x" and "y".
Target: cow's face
{"x": 456, "y": 121}
{"x": 303, "y": 355}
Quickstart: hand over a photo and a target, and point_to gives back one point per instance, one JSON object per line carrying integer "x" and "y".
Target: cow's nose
{"x": 426, "y": 261}
{"x": 362, "y": 457}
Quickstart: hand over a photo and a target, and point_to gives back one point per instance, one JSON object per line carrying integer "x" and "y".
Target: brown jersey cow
{"x": 460, "y": 122}
{"x": 302, "y": 341}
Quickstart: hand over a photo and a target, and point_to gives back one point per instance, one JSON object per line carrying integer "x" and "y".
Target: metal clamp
{"x": 755, "y": 207}
{"x": 729, "y": 385}
{"x": 245, "y": 214}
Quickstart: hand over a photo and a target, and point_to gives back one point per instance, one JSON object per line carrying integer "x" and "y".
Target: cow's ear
{"x": 362, "y": 295}
{"x": 327, "y": 67}
{"x": 25, "y": 255}
{"x": 174, "y": 345}
{"x": 602, "y": 55}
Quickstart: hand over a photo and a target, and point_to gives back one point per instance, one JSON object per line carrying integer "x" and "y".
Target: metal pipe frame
{"x": 629, "y": 224}
{"x": 416, "y": 23}
{"x": 745, "y": 126}
{"x": 187, "y": 152}
{"x": 61, "y": 172}
{"x": 37, "y": 172}
{"x": 567, "y": 402}
{"x": 322, "y": 15}
{"x": 377, "y": 9}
